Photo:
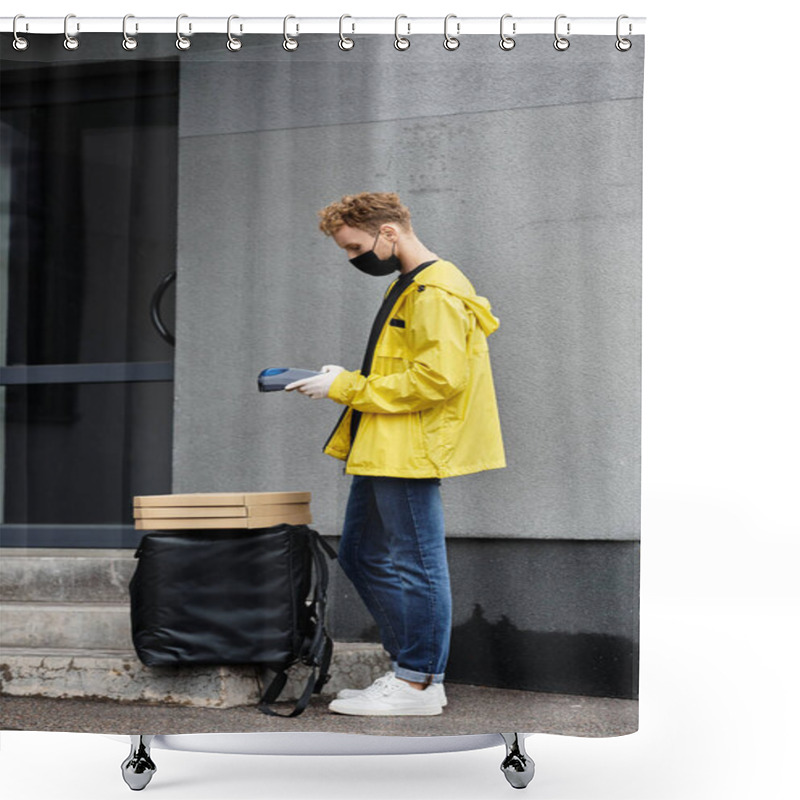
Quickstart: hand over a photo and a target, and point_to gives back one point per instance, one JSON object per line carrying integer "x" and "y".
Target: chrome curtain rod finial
{"x": 518, "y": 766}
{"x": 138, "y": 768}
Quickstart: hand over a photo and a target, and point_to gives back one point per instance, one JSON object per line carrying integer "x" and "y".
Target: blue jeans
{"x": 393, "y": 550}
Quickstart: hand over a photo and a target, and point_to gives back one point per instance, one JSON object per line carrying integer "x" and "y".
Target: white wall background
{"x": 720, "y": 605}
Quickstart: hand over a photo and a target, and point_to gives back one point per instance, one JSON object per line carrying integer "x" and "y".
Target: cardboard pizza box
{"x": 208, "y": 512}
{"x": 263, "y": 521}
{"x": 205, "y": 499}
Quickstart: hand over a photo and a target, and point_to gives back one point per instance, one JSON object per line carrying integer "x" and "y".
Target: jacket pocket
{"x": 390, "y": 441}
{"x": 338, "y": 444}
{"x": 393, "y": 342}
{"x": 437, "y": 430}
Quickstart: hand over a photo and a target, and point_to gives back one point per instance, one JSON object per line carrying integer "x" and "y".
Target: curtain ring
{"x": 182, "y": 43}
{"x": 401, "y": 43}
{"x": 233, "y": 44}
{"x": 561, "y": 43}
{"x": 289, "y": 43}
{"x": 623, "y": 44}
{"x": 450, "y": 42}
{"x": 70, "y": 42}
{"x": 344, "y": 42}
{"x": 19, "y": 43}
{"x": 128, "y": 42}
{"x": 506, "y": 42}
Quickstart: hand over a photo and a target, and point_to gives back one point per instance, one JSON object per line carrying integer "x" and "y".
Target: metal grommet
{"x": 19, "y": 43}
{"x": 70, "y": 42}
{"x": 450, "y": 42}
{"x": 400, "y": 42}
{"x": 289, "y": 43}
{"x": 561, "y": 43}
{"x": 233, "y": 44}
{"x": 344, "y": 42}
{"x": 506, "y": 42}
{"x": 128, "y": 42}
{"x": 621, "y": 44}
{"x": 182, "y": 43}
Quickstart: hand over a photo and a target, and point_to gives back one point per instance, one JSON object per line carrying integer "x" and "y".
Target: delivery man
{"x": 421, "y": 408}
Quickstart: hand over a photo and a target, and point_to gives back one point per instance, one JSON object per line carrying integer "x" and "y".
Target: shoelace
{"x": 380, "y": 685}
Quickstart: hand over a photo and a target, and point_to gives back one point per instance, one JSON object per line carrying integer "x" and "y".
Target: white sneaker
{"x": 438, "y": 688}
{"x": 344, "y": 693}
{"x": 388, "y": 697}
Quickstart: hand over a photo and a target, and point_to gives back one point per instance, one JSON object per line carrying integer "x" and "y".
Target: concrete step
{"x": 45, "y": 575}
{"x": 117, "y": 674}
{"x": 101, "y": 626}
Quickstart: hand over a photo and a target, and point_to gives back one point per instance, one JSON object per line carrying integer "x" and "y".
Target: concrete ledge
{"x": 119, "y": 675}
{"x": 65, "y": 576}
{"x": 82, "y": 626}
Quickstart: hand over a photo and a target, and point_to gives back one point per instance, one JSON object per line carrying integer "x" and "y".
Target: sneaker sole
{"x": 405, "y": 712}
{"x": 347, "y": 694}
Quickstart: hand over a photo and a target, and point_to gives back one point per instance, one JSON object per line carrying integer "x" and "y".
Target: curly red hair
{"x": 366, "y": 211}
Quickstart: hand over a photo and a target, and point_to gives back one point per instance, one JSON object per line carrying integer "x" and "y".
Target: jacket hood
{"x": 446, "y": 275}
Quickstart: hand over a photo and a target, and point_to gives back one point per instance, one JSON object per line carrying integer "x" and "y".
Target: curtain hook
{"x": 344, "y": 42}
{"x": 450, "y": 42}
{"x": 128, "y": 42}
{"x": 506, "y": 42}
{"x": 561, "y": 43}
{"x": 289, "y": 43}
{"x": 20, "y": 43}
{"x": 182, "y": 43}
{"x": 70, "y": 42}
{"x": 401, "y": 43}
{"x": 623, "y": 44}
{"x": 233, "y": 44}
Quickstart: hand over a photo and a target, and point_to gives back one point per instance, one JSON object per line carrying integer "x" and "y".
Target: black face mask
{"x": 377, "y": 267}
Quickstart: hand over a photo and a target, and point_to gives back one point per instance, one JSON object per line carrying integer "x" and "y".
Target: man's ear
{"x": 390, "y": 232}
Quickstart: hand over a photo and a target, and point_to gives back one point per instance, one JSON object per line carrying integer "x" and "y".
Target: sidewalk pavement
{"x": 470, "y": 710}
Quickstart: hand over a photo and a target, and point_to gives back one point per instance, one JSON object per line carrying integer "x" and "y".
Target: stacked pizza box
{"x": 221, "y": 510}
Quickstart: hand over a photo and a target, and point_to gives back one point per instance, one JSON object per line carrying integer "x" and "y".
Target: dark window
{"x": 88, "y": 211}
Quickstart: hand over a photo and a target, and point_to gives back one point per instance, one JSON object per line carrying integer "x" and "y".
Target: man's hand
{"x": 318, "y": 386}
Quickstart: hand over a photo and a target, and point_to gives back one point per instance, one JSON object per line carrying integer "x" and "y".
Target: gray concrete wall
{"x": 542, "y": 615}
{"x": 523, "y": 168}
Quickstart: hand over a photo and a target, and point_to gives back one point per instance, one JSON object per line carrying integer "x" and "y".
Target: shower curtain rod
{"x": 347, "y": 25}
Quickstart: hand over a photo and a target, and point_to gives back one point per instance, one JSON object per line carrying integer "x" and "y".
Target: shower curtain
{"x": 161, "y": 246}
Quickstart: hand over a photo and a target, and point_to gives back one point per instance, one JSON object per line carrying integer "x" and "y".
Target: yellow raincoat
{"x": 428, "y": 405}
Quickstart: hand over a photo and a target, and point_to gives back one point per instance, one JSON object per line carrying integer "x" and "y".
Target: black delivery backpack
{"x": 219, "y": 597}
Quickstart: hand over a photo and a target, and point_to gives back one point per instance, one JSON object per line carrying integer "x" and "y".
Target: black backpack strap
{"x": 316, "y": 680}
{"x": 317, "y": 650}
{"x": 275, "y": 687}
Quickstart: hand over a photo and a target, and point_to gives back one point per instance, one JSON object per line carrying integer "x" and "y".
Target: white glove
{"x": 317, "y": 386}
